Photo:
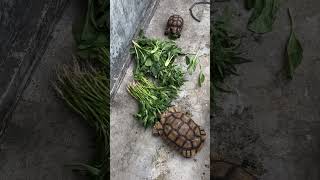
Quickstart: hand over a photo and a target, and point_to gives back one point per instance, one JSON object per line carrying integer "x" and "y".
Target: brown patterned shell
{"x": 182, "y": 132}
{"x": 174, "y": 25}
{"x": 227, "y": 170}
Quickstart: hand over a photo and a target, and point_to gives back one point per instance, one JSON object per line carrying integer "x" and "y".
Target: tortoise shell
{"x": 231, "y": 169}
{"x": 180, "y": 131}
{"x": 223, "y": 170}
{"x": 174, "y": 26}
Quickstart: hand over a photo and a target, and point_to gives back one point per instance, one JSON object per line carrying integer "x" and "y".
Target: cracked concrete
{"x": 135, "y": 153}
{"x": 269, "y": 118}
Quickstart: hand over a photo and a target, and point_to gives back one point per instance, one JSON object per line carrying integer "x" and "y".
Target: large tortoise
{"x": 234, "y": 168}
{"x": 174, "y": 27}
{"x": 180, "y": 131}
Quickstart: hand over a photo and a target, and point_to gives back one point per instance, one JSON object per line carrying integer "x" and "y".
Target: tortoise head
{"x": 174, "y": 33}
{"x": 157, "y": 129}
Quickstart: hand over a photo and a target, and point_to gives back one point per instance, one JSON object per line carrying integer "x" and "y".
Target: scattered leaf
{"x": 294, "y": 50}
{"x": 263, "y": 16}
{"x": 201, "y": 77}
{"x": 192, "y": 62}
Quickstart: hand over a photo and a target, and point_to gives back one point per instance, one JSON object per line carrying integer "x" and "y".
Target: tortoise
{"x": 231, "y": 169}
{"x": 174, "y": 27}
{"x": 179, "y": 130}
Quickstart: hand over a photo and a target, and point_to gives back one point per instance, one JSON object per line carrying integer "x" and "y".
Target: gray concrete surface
{"x": 127, "y": 17}
{"x": 43, "y": 135}
{"x": 274, "y": 121}
{"x": 25, "y": 29}
{"x": 135, "y": 153}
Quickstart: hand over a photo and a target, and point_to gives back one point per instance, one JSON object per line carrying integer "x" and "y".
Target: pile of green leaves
{"x": 157, "y": 78}
{"x": 153, "y": 99}
{"x": 155, "y": 58}
{"x": 263, "y": 15}
{"x": 85, "y": 86}
{"x": 91, "y": 33}
{"x": 86, "y": 92}
{"x": 225, "y": 53}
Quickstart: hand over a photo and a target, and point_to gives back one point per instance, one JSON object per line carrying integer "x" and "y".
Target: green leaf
{"x": 201, "y": 78}
{"x": 187, "y": 60}
{"x": 148, "y": 62}
{"x": 263, "y": 16}
{"x": 294, "y": 50}
{"x": 249, "y": 4}
{"x": 168, "y": 61}
{"x": 192, "y": 63}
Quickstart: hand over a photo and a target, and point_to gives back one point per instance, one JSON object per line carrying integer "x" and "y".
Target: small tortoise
{"x": 180, "y": 131}
{"x": 174, "y": 26}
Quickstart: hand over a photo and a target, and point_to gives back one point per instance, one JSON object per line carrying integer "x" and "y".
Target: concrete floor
{"x": 274, "y": 121}
{"x": 135, "y": 153}
{"x": 43, "y": 135}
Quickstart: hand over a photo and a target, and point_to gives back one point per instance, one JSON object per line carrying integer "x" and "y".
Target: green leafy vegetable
{"x": 294, "y": 50}
{"x": 91, "y": 32}
{"x": 201, "y": 77}
{"x": 152, "y": 99}
{"x": 263, "y": 16}
{"x": 157, "y": 79}
{"x": 225, "y": 55}
{"x": 85, "y": 86}
{"x": 192, "y": 62}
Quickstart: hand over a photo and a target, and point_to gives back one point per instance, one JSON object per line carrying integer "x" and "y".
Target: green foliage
{"x": 201, "y": 77}
{"x": 155, "y": 58}
{"x": 294, "y": 50}
{"x": 192, "y": 62}
{"x": 155, "y": 61}
{"x": 152, "y": 99}
{"x": 93, "y": 29}
{"x": 263, "y": 16}
{"x": 225, "y": 55}
{"x": 86, "y": 91}
{"x": 92, "y": 33}
{"x": 85, "y": 86}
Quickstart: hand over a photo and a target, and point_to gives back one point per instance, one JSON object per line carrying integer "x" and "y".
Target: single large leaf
{"x": 294, "y": 50}
{"x": 263, "y": 16}
{"x": 92, "y": 32}
{"x": 201, "y": 78}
